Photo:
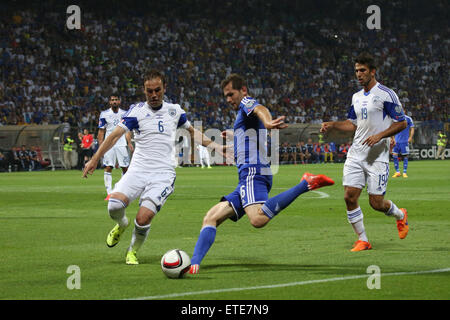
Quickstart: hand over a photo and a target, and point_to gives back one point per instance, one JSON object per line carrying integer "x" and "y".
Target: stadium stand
{"x": 296, "y": 55}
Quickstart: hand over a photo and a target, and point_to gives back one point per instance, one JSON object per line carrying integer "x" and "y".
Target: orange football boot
{"x": 317, "y": 181}
{"x": 194, "y": 269}
{"x": 402, "y": 225}
{"x": 361, "y": 245}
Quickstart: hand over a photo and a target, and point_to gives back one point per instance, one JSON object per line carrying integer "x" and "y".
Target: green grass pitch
{"x": 52, "y": 220}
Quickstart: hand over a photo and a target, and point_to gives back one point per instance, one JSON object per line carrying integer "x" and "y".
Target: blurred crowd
{"x": 313, "y": 152}
{"x": 297, "y": 58}
{"x": 23, "y": 159}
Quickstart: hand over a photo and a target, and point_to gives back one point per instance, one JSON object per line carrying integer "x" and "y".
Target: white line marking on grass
{"x": 320, "y": 193}
{"x": 283, "y": 285}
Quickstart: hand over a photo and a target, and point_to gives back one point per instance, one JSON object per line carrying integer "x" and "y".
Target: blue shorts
{"x": 252, "y": 188}
{"x": 401, "y": 148}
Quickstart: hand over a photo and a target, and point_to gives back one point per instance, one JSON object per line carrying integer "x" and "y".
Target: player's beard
{"x": 365, "y": 84}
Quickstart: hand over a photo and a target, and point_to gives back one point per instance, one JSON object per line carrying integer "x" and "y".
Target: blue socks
{"x": 204, "y": 242}
{"x": 396, "y": 163}
{"x": 270, "y": 208}
{"x": 405, "y": 164}
{"x": 275, "y": 204}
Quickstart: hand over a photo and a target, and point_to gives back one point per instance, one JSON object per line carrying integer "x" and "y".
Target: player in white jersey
{"x": 203, "y": 154}
{"x": 374, "y": 116}
{"x": 108, "y": 120}
{"x": 151, "y": 173}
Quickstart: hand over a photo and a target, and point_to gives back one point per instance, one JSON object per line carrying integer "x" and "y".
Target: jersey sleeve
{"x": 129, "y": 120}
{"x": 183, "y": 122}
{"x": 102, "y": 121}
{"x": 410, "y": 122}
{"x": 393, "y": 107}
{"x": 248, "y": 105}
{"x": 351, "y": 114}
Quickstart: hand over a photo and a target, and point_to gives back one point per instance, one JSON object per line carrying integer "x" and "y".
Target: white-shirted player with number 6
{"x": 375, "y": 115}
{"x": 151, "y": 174}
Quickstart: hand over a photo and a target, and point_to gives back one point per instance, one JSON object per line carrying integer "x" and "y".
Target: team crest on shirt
{"x": 248, "y": 103}
{"x": 172, "y": 112}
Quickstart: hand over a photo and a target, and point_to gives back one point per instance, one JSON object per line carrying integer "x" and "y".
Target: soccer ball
{"x": 175, "y": 263}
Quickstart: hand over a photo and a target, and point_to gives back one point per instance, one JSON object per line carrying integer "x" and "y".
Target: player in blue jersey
{"x": 402, "y": 140}
{"x": 255, "y": 177}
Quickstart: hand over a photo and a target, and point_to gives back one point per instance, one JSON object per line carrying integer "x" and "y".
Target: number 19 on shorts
{"x": 383, "y": 178}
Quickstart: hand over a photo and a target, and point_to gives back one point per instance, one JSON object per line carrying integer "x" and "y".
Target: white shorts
{"x": 119, "y": 154}
{"x": 358, "y": 174}
{"x": 152, "y": 188}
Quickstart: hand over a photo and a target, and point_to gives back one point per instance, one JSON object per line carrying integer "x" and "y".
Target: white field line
{"x": 283, "y": 285}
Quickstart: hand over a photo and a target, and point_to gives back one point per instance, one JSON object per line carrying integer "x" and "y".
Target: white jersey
{"x": 154, "y": 135}
{"x": 373, "y": 112}
{"x": 202, "y": 151}
{"x": 109, "y": 120}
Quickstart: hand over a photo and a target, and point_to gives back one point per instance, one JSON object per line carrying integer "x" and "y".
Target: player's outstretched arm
{"x": 107, "y": 144}
{"x": 345, "y": 125}
{"x": 264, "y": 115}
{"x": 203, "y": 140}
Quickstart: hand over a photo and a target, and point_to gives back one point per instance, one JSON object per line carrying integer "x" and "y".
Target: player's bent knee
{"x": 116, "y": 204}
{"x": 217, "y": 214}
{"x": 258, "y": 219}
{"x": 209, "y": 220}
{"x": 116, "y": 208}
{"x": 108, "y": 169}
{"x": 120, "y": 196}
{"x": 144, "y": 215}
{"x": 258, "y": 222}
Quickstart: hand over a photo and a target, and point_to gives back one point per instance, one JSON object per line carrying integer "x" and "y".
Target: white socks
{"x": 107, "y": 177}
{"x": 355, "y": 217}
{"x": 140, "y": 234}
{"x": 395, "y": 211}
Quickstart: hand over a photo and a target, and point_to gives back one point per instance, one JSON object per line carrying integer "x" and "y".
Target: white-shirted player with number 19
{"x": 151, "y": 174}
{"x": 374, "y": 116}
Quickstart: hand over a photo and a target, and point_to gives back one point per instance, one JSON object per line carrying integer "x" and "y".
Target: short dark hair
{"x": 152, "y": 74}
{"x": 237, "y": 82}
{"x": 366, "y": 59}
{"x": 114, "y": 95}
